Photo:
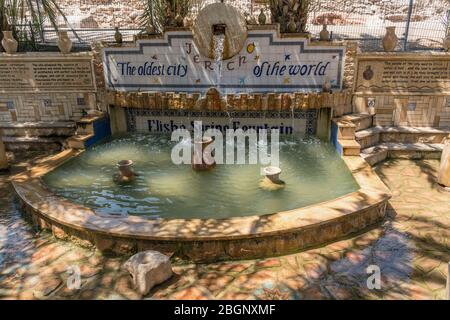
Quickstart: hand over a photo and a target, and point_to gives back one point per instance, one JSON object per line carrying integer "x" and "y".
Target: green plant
{"x": 162, "y": 13}
{"x": 290, "y": 11}
{"x": 26, "y": 18}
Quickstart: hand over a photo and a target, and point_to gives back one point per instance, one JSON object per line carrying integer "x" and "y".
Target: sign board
{"x": 403, "y": 73}
{"x": 34, "y": 73}
{"x": 157, "y": 121}
{"x": 266, "y": 63}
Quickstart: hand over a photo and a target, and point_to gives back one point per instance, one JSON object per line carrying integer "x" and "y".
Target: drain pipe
{"x": 405, "y": 41}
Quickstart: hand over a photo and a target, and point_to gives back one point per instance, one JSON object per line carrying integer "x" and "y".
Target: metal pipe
{"x": 408, "y": 21}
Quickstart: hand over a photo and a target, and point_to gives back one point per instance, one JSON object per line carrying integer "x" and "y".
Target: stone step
{"x": 350, "y": 147}
{"x": 39, "y": 129}
{"x": 360, "y": 120}
{"x": 392, "y": 150}
{"x": 368, "y": 137}
{"x": 77, "y": 141}
{"x": 414, "y": 134}
{"x": 33, "y": 143}
{"x": 372, "y": 136}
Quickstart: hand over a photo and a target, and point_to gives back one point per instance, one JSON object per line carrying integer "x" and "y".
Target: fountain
{"x": 202, "y": 161}
{"x": 272, "y": 180}
{"x": 222, "y": 214}
{"x": 218, "y": 50}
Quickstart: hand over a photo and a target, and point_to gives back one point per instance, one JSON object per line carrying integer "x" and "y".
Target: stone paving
{"x": 411, "y": 248}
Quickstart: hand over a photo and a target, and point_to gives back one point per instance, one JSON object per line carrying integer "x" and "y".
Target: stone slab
{"x": 403, "y": 73}
{"x": 46, "y": 72}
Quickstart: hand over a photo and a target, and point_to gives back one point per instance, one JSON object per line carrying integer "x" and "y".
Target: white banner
{"x": 266, "y": 63}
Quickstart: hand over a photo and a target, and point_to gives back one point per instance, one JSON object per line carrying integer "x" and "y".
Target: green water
{"x": 312, "y": 170}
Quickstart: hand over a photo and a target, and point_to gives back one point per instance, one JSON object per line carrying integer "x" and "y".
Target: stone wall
{"x": 46, "y": 87}
{"x": 407, "y": 89}
{"x": 44, "y": 107}
{"x": 414, "y": 111}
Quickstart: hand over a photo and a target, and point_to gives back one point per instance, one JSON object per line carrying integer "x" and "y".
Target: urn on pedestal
{"x": 64, "y": 43}
{"x": 390, "y": 39}
{"x": 9, "y": 43}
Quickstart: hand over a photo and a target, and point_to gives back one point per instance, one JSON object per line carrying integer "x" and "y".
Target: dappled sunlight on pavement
{"x": 411, "y": 248}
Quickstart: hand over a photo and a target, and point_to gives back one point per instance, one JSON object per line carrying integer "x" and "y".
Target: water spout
{"x": 218, "y": 48}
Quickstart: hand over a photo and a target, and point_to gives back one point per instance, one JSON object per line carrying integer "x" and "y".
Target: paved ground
{"x": 411, "y": 248}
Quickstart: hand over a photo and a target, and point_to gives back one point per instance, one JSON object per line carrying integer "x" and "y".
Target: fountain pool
{"x": 312, "y": 171}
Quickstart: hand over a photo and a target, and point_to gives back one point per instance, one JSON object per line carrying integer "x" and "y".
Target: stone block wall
{"x": 46, "y": 86}
{"x": 44, "y": 107}
{"x": 413, "y": 110}
{"x": 406, "y": 88}
{"x": 340, "y": 102}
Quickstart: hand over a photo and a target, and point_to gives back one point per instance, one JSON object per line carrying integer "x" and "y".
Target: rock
{"x": 147, "y": 269}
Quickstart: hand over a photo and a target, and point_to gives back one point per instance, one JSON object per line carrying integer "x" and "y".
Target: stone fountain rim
{"x": 49, "y": 211}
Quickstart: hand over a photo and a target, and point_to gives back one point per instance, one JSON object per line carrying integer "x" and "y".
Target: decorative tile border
{"x": 310, "y": 115}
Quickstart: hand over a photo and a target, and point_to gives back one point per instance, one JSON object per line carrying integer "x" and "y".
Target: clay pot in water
{"x": 125, "y": 168}
{"x": 118, "y": 36}
{"x": 273, "y": 174}
{"x": 262, "y": 17}
{"x": 64, "y": 43}
{"x": 126, "y": 173}
{"x": 390, "y": 39}
{"x": 324, "y": 35}
{"x": 9, "y": 43}
{"x": 446, "y": 43}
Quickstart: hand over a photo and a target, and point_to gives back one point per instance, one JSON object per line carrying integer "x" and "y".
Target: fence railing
{"x": 420, "y": 24}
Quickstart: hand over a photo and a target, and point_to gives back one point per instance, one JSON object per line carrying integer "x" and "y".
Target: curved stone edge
{"x": 204, "y": 240}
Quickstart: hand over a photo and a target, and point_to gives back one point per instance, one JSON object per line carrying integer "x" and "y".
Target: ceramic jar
{"x": 64, "y": 43}
{"x": 9, "y": 43}
{"x": 262, "y": 17}
{"x": 324, "y": 35}
{"x": 118, "y": 36}
{"x": 390, "y": 39}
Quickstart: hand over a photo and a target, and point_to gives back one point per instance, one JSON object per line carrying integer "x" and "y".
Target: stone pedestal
{"x": 200, "y": 161}
{"x": 444, "y": 169}
{"x": 3, "y": 160}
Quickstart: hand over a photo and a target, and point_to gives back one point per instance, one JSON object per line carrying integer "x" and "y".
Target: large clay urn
{"x": 64, "y": 43}
{"x": 324, "y": 35}
{"x": 390, "y": 39}
{"x": 118, "y": 36}
{"x": 8, "y": 42}
{"x": 262, "y": 17}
